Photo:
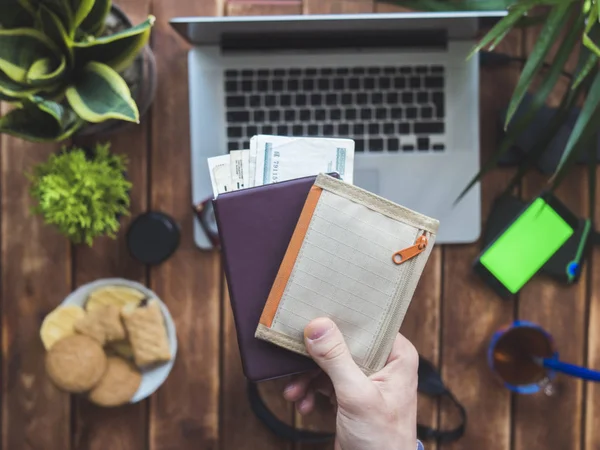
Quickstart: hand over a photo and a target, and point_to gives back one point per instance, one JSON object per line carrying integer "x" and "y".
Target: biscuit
{"x": 103, "y": 324}
{"x": 113, "y": 295}
{"x": 118, "y": 385}
{"x": 76, "y": 363}
{"x": 122, "y": 348}
{"x": 147, "y": 333}
{"x": 59, "y": 324}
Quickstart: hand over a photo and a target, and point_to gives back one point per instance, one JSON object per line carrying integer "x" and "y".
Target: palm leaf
{"x": 500, "y": 29}
{"x": 586, "y": 123}
{"x": 553, "y": 127}
{"x": 555, "y": 23}
{"x": 592, "y": 183}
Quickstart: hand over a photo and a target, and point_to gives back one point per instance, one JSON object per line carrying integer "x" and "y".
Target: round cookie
{"x": 76, "y": 363}
{"x": 118, "y": 385}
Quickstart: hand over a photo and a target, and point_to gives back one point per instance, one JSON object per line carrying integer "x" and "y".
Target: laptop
{"x": 399, "y": 84}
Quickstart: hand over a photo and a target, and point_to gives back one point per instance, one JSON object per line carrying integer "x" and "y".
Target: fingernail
{"x": 288, "y": 388}
{"x": 318, "y": 328}
{"x": 303, "y": 406}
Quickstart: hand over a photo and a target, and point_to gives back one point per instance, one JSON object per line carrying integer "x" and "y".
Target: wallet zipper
{"x": 406, "y": 254}
{"x": 401, "y": 256}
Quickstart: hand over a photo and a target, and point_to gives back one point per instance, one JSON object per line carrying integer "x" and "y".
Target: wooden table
{"x": 202, "y": 405}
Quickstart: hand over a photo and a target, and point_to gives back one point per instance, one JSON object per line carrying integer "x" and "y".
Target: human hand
{"x": 373, "y": 413}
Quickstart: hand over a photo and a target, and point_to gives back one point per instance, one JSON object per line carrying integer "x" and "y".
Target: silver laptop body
{"x": 400, "y": 85}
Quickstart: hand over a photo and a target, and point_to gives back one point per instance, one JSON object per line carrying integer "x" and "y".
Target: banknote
{"x": 252, "y": 162}
{"x": 280, "y": 158}
{"x": 239, "y": 166}
{"x": 220, "y": 174}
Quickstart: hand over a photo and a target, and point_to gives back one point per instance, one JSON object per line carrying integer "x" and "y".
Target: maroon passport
{"x": 255, "y": 228}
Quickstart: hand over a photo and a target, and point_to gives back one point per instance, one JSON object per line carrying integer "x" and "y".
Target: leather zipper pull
{"x": 404, "y": 255}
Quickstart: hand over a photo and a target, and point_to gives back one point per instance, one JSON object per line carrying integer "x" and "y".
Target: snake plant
{"x": 60, "y": 71}
{"x": 562, "y": 24}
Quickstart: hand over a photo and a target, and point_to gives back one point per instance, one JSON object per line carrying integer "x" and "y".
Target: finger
{"x": 307, "y": 404}
{"x": 325, "y": 343}
{"x": 296, "y": 389}
{"x": 400, "y": 371}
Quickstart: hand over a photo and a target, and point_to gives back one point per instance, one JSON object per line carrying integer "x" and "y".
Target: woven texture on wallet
{"x": 339, "y": 265}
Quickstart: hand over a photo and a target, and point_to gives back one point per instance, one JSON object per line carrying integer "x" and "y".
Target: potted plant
{"x": 72, "y": 67}
{"x": 562, "y": 22}
{"x": 82, "y": 193}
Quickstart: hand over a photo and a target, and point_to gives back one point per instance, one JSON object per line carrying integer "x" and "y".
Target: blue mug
{"x": 512, "y": 357}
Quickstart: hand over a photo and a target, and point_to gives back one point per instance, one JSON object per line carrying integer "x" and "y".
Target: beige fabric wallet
{"x": 356, "y": 258}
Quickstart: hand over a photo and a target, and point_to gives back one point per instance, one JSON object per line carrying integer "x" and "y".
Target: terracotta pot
{"x": 143, "y": 94}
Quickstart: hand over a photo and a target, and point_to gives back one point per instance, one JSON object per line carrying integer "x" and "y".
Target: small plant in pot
{"x": 64, "y": 66}
{"x": 83, "y": 193}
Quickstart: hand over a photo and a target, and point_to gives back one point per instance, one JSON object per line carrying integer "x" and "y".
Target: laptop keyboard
{"x": 384, "y": 109}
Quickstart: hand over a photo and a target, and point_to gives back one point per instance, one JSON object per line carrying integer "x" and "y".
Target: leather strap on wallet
{"x": 430, "y": 383}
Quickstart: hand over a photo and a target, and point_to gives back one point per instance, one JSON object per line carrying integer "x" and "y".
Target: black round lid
{"x": 152, "y": 237}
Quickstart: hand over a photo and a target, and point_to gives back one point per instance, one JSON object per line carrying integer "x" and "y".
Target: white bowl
{"x": 151, "y": 378}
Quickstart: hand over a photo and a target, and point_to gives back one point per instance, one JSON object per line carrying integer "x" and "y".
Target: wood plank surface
{"x": 561, "y": 310}
{"x": 338, "y": 6}
{"x": 471, "y": 312}
{"x": 185, "y": 411}
{"x": 36, "y": 277}
{"x": 591, "y": 409}
{"x": 124, "y": 428}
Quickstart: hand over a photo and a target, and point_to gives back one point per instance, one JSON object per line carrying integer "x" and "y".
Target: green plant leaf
{"x": 118, "y": 50}
{"x": 51, "y": 26}
{"x": 501, "y": 28}
{"x": 568, "y": 101}
{"x": 587, "y": 40}
{"x": 591, "y": 62}
{"x": 592, "y": 165}
{"x": 41, "y": 121}
{"x": 14, "y": 90}
{"x": 13, "y": 15}
{"x": 41, "y": 74}
{"x": 81, "y": 9}
{"x": 21, "y": 47}
{"x": 62, "y": 9}
{"x": 547, "y": 86}
{"x": 93, "y": 24}
{"x": 586, "y": 124}
{"x": 543, "y": 144}
{"x": 82, "y": 192}
{"x": 101, "y": 94}
{"x": 556, "y": 20}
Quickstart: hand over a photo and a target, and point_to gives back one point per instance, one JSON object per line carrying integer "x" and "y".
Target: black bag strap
{"x": 278, "y": 427}
{"x": 430, "y": 383}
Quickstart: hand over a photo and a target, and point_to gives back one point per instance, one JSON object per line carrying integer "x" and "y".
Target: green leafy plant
{"x": 82, "y": 193}
{"x": 562, "y": 22}
{"x": 58, "y": 69}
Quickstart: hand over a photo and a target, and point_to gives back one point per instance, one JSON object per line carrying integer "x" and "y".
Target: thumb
{"x": 325, "y": 344}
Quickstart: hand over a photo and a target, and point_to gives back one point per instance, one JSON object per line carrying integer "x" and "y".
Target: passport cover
{"x": 356, "y": 258}
{"x": 255, "y": 226}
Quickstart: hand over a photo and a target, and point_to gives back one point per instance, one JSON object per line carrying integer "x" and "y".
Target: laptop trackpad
{"x": 367, "y": 179}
